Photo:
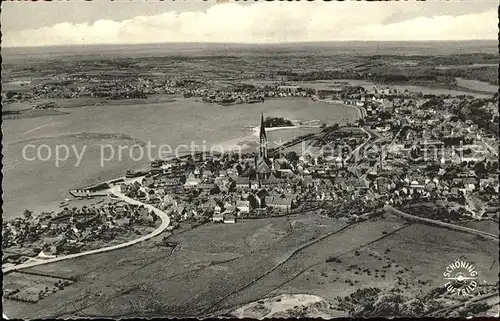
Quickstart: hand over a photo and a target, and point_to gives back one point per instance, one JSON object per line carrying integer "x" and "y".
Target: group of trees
{"x": 277, "y": 122}
{"x": 477, "y": 111}
{"x": 11, "y": 94}
{"x": 425, "y": 71}
{"x": 371, "y": 302}
{"x": 244, "y": 88}
{"x": 482, "y": 169}
{"x": 27, "y": 214}
{"x": 437, "y": 212}
{"x": 330, "y": 128}
{"x": 321, "y": 75}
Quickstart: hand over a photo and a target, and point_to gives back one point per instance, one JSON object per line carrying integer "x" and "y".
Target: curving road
{"x": 362, "y": 111}
{"x": 362, "y": 114}
{"x": 448, "y": 225}
{"x": 355, "y": 152}
{"x": 489, "y": 147}
{"x": 165, "y": 222}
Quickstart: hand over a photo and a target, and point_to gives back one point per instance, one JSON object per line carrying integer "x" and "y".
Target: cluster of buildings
{"x": 230, "y": 98}
{"x": 408, "y": 149}
{"x": 123, "y": 85}
{"x": 255, "y": 185}
{"x": 246, "y": 93}
{"x": 223, "y": 190}
{"x": 71, "y": 230}
{"x": 423, "y": 151}
{"x": 416, "y": 153}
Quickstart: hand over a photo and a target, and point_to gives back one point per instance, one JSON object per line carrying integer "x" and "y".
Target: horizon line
{"x": 249, "y": 43}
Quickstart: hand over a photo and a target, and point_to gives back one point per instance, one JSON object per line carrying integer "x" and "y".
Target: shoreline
{"x": 361, "y": 110}
{"x": 256, "y": 129}
{"x": 245, "y": 141}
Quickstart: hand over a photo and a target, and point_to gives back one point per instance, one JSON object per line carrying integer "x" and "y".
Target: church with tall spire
{"x": 262, "y": 138}
{"x": 263, "y": 167}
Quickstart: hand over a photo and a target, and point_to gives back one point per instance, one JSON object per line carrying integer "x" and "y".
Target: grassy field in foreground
{"x": 411, "y": 259}
{"x": 218, "y": 267}
{"x": 489, "y": 226}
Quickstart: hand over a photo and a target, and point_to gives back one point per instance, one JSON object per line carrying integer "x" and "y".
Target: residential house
{"x": 169, "y": 182}
{"x": 223, "y": 183}
{"x": 484, "y": 183}
{"x": 180, "y": 210}
{"x": 254, "y": 185}
{"x": 308, "y": 181}
{"x": 242, "y": 183}
{"x": 218, "y": 217}
{"x": 191, "y": 181}
{"x": 228, "y": 207}
{"x": 207, "y": 174}
{"x": 232, "y": 173}
{"x": 280, "y": 163}
{"x": 470, "y": 183}
{"x": 270, "y": 181}
{"x": 285, "y": 173}
{"x": 280, "y": 203}
{"x": 430, "y": 186}
{"x": 243, "y": 206}
{"x": 416, "y": 186}
{"x": 206, "y": 186}
{"x": 208, "y": 205}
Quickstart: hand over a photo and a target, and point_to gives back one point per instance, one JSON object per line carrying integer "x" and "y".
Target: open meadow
{"x": 215, "y": 268}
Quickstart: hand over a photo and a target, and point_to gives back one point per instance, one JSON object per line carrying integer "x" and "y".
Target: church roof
{"x": 279, "y": 201}
{"x": 272, "y": 178}
{"x": 262, "y": 166}
{"x": 242, "y": 180}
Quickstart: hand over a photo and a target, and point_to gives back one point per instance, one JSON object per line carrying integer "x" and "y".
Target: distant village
{"x": 125, "y": 86}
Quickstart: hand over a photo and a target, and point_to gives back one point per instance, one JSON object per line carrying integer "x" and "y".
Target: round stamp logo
{"x": 461, "y": 277}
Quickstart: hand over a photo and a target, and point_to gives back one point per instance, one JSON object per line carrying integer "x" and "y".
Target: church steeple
{"x": 262, "y": 164}
{"x": 262, "y": 126}
{"x": 262, "y": 138}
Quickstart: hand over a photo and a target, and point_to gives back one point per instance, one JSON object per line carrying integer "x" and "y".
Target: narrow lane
{"x": 444, "y": 224}
{"x": 165, "y": 222}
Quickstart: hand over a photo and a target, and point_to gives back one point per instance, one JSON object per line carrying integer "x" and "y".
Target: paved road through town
{"x": 448, "y": 225}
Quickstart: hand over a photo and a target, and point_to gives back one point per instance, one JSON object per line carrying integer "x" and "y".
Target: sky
{"x": 135, "y": 22}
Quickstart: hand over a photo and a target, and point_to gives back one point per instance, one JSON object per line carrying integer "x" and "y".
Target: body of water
{"x": 42, "y": 184}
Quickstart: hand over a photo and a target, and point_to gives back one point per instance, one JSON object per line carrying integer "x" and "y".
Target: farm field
{"x": 31, "y": 288}
{"x": 399, "y": 261}
{"x": 477, "y": 85}
{"x": 85, "y": 102}
{"x": 216, "y": 268}
{"x": 489, "y": 226}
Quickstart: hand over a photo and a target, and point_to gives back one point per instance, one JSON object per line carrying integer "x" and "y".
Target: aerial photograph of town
{"x": 226, "y": 159}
